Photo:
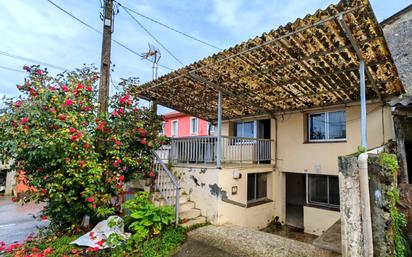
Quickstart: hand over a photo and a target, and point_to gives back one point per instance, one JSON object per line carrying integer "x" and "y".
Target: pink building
{"x": 177, "y": 124}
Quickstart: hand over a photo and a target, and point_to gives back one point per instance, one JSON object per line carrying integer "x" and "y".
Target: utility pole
{"x": 153, "y": 55}
{"x": 105, "y": 58}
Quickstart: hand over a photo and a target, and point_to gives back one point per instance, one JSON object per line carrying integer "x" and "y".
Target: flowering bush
{"x": 73, "y": 159}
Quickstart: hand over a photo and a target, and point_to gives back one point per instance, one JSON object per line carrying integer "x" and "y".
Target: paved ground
{"x": 194, "y": 248}
{"x": 16, "y": 221}
{"x": 230, "y": 241}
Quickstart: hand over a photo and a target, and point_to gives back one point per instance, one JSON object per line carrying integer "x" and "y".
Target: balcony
{"x": 204, "y": 150}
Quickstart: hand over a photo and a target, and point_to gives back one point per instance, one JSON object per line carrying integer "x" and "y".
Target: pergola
{"x": 334, "y": 56}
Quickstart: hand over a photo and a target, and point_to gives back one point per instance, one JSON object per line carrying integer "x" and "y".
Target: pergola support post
{"x": 219, "y": 130}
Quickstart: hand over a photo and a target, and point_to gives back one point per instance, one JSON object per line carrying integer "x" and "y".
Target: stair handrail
{"x": 175, "y": 183}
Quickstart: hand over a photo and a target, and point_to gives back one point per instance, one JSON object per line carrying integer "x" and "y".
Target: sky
{"x": 38, "y": 30}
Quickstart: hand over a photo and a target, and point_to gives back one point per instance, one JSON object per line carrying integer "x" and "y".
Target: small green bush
{"x": 398, "y": 224}
{"x": 389, "y": 162}
{"x": 145, "y": 219}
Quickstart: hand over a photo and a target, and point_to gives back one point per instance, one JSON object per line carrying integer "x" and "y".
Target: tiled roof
{"x": 308, "y": 63}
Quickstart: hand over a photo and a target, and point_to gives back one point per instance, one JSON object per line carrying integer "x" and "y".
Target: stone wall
{"x": 398, "y": 34}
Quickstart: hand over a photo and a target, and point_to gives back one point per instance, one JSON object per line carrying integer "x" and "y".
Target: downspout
{"x": 219, "y": 130}
{"x": 276, "y": 142}
{"x": 363, "y": 171}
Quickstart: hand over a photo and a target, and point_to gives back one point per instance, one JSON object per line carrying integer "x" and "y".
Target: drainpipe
{"x": 363, "y": 171}
{"x": 219, "y": 130}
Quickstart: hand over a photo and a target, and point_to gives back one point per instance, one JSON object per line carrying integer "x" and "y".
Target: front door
{"x": 295, "y": 199}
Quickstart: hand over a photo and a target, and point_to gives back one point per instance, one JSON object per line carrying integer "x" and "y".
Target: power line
{"x": 98, "y": 31}
{"x": 31, "y": 60}
{"x": 169, "y": 27}
{"x": 11, "y": 69}
{"x": 151, "y": 35}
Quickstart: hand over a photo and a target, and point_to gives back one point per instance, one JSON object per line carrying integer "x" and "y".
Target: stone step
{"x": 189, "y": 214}
{"x": 186, "y": 206}
{"x": 160, "y": 201}
{"x": 192, "y": 222}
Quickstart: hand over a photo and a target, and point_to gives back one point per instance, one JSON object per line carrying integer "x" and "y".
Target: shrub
{"x": 145, "y": 219}
{"x": 72, "y": 158}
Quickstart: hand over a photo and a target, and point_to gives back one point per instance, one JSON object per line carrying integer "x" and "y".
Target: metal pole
{"x": 363, "y": 104}
{"x": 219, "y": 130}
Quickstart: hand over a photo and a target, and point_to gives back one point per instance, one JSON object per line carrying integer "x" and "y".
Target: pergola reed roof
{"x": 308, "y": 63}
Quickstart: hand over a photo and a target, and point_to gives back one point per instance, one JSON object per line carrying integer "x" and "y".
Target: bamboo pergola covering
{"x": 308, "y": 63}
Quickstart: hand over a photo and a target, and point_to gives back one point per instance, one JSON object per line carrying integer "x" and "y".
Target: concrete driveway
{"x": 16, "y": 221}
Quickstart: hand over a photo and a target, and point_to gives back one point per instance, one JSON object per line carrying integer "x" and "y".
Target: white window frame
{"x": 211, "y": 129}
{"x": 308, "y": 194}
{"x": 177, "y": 128}
{"x": 163, "y": 132}
{"x": 326, "y": 127}
{"x": 191, "y": 126}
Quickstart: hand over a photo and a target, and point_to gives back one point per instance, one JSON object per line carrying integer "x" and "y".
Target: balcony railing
{"x": 204, "y": 150}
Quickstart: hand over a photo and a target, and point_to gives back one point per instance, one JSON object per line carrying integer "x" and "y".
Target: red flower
{"x": 44, "y": 217}
{"x": 121, "y": 110}
{"x": 86, "y": 109}
{"x": 72, "y": 138}
{"x": 65, "y": 88}
{"x": 118, "y": 142}
{"x": 14, "y": 124}
{"x": 18, "y": 103}
{"x": 24, "y": 120}
{"x": 151, "y": 174}
{"x": 94, "y": 206}
{"x": 101, "y": 126}
{"x": 86, "y": 146}
{"x": 80, "y": 86}
{"x": 90, "y": 199}
{"x": 12, "y": 246}
{"x": 115, "y": 164}
{"x": 52, "y": 88}
{"x": 143, "y": 141}
{"x": 47, "y": 251}
{"x": 68, "y": 102}
{"x": 114, "y": 113}
{"x": 40, "y": 72}
{"x": 72, "y": 130}
{"x": 121, "y": 178}
{"x": 89, "y": 88}
{"x": 61, "y": 117}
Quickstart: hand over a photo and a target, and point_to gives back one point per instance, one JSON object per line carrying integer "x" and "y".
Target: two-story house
{"x": 286, "y": 104}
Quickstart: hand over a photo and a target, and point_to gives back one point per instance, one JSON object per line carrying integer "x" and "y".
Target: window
{"x": 256, "y": 187}
{"x": 211, "y": 129}
{"x": 324, "y": 190}
{"x": 327, "y": 126}
{"x": 175, "y": 128}
{"x": 244, "y": 129}
{"x": 193, "y": 126}
{"x": 163, "y": 128}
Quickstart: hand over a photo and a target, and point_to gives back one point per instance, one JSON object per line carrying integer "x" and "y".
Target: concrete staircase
{"x": 189, "y": 215}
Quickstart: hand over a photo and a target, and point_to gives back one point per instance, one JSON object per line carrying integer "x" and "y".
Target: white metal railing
{"x": 203, "y": 149}
{"x": 166, "y": 184}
